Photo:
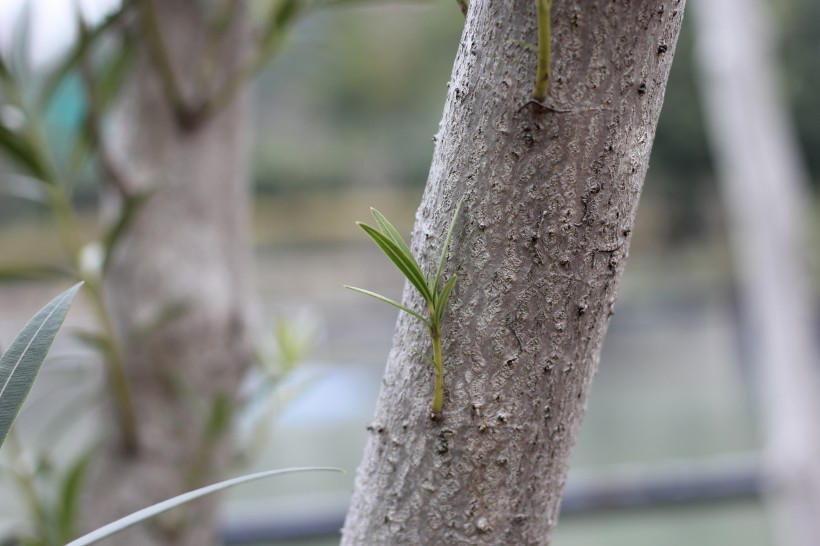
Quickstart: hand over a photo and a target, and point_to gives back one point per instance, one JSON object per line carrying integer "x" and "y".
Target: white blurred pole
{"x": 764, "y": 192}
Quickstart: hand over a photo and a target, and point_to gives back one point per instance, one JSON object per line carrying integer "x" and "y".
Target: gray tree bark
{"x": 187, "y": 250}
{"x": 550, "y": 200}
{"x": 764, "y": 190}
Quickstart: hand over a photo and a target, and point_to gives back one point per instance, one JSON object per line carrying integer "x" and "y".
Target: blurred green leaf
{"x": 23, "y": 187}
{"x": 164, "y": 316}
{"x": 20, "y": 150}
{"x": 71, "y": 62}
{"x": 113, "y": 74}
{"x": 152, "y": 511}
{"x": 19, "y": 60}
{"x": 21, "y": 363}
{"x": 94, "y": 340}
{"x": 71, "y": 490}
{"x": 5, "y": 75}
{"x": 33, "y": 272}
{"x": 130, "y": 207}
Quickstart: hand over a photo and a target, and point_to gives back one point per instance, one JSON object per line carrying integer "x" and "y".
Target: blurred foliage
{"x": 355, "y": 100}
{"x": 355, "y": 96}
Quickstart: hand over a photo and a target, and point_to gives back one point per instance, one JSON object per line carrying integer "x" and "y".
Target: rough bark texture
{"x": 550, "y": 200}
{"x": 188, "y": 249}
{"x": 764, "y": 190}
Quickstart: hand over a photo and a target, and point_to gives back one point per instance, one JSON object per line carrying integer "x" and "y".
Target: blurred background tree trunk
{"x": 178, "y": 282}
{"x": 765, "y": 193}
{"x": 539, "y": 249}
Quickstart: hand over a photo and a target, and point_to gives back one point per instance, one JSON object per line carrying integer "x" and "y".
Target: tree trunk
{"x": 764, "y": 190}
{"x": 177, "y": 288}
{"x": 550, "y": 200}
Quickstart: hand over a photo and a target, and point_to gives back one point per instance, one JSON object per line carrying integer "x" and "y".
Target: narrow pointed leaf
{"x": 406, "y": 264}
{"x": 425, "y": 357}
{"x": 81, "y": 50}
{"x": 391, "y": 302}
{"x": 93, "y": 340}
{"x": 5, "y": 75}
{"x": 129, "y": 211}
{"x": 112, "y": 76}
{"x": 70, "y": 492}
{"x": 446, "y": 245}
{"x": 33, "y": 272}
{"x": 152, "y": 511}
{"x": 21, "y": 363}
{"x": 20, "y": 150}
{"x": 441, "y": 302}
{"x": 387, "y": 228}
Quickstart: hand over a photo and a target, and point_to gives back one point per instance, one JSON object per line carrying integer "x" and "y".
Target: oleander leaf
{"x": 391, "y": 302}
{"x": 387, "y": 228}
{"x": 81, "y": 50}
{"x": 441, "y": 299}
{"x": 19, "y": 149}
{"x": 446, "y": 246}
{"x": 404, "y": 263}
{"x": 21, "y": 363}
{"x": 33, "y": 272}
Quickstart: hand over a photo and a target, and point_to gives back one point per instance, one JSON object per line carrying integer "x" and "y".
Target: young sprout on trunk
{"x": 434, "y": 291}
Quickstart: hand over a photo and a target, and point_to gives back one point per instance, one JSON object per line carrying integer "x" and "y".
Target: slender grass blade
{"x": 156, "y": 509}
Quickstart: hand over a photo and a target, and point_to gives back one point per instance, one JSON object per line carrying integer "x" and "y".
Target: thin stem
{"x": 438, "y": 364}
{"x": 542, "y": 74}
{"x": 117, "y": 377}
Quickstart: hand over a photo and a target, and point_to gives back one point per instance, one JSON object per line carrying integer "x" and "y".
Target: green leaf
{"x": 446, "y": 245}
{"x": 70, "y": 492}
{"x": 391, "y": 302}
{"x": 20, "y": 150}
{"x": 529, "y": 46}
{"x": 114, "y": 73}
{"x": 80, "y": 51}
{"x": 21, "y": 363}
{"x": 406, "y": 264}
{"x": 281, "y": 19}
{"x": 130, "y": 207}
{"x": 33, "y": 272}
{"x": 24, "y": 187}
{"x": 93, "y": 340}
{"x": 387, "y": 228}
{"x": 425, "y": 357}
{"x": 441, "y": 299}
{"x": 147, "y": 513}
{"x": 5, "y": 75}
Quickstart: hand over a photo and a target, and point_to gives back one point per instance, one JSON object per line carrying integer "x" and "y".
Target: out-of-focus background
{"x": 344, "y": 119}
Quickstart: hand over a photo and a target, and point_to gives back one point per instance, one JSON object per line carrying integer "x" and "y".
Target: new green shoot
{"x": 434, "y": 291}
